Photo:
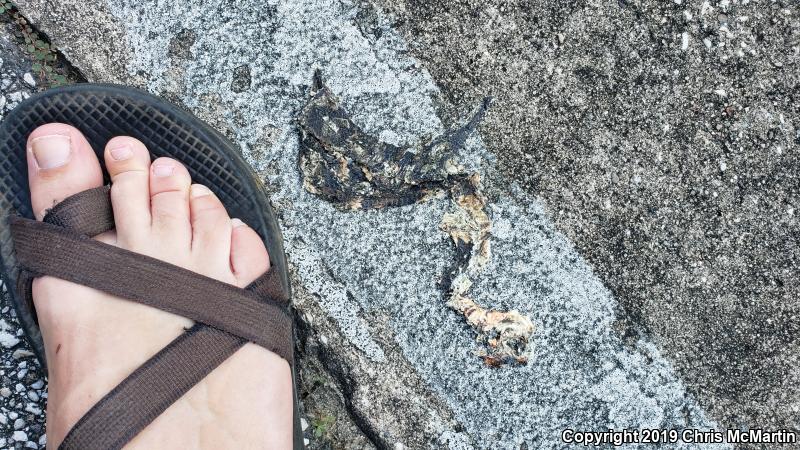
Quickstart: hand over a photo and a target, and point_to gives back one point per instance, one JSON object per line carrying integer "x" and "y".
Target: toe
{"x": 128, "y": 164}
{"x": 169, "y": 203}
{"x": 211, "y": 228}
{"x": 249, "y": 257}
{"x": 60, "y": 163}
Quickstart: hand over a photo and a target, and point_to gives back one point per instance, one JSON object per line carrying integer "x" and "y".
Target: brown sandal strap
{"x": 146, "y": 393}
{"x": 269, "y": 285}
{"x": 45, "y": 249}
{"x": 88, "y": 213}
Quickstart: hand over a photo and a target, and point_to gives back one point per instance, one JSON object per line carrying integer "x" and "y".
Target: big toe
{"x": 60, "y": 163}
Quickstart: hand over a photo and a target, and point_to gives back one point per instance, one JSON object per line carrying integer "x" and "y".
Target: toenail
{"x": 121, "y": 153}
{"x": 198, "y": 190}
{"x": 51, "y": 151}
{"x": 163, "y": 170}
{"x": 236, "y": 223}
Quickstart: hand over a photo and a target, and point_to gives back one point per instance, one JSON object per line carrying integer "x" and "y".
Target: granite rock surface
{"x": 639, "y": 168}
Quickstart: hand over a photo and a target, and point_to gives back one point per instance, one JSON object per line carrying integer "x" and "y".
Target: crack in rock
{"x": 356, "y": 171}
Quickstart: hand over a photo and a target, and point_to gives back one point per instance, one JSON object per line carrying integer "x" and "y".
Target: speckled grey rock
{"x": 663, "y": 137}
{"x": 370, "y": 308}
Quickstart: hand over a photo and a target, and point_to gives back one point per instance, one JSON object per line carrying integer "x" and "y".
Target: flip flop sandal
{"x": 225, "y": 316}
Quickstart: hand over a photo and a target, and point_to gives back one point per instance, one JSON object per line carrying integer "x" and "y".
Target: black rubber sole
{"x": 100, "y": 112}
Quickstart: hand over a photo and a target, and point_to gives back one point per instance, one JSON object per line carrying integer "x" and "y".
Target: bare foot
{"x": 94, "y": 340}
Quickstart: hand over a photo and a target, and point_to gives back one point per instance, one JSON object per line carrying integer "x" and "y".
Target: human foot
{"x": 94, "y": 340}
